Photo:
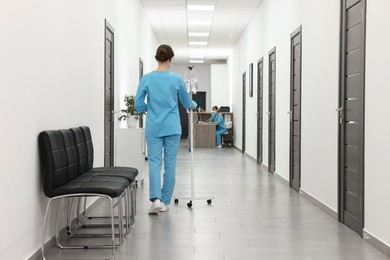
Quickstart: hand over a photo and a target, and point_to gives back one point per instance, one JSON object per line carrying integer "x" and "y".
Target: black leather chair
{"x": 63, "y": 178}
{"x": 83, "y": 136}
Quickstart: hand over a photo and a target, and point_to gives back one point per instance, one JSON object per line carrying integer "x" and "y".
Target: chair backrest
{"x": 81, "y": 149}
{"x": 54, "y": 161}
{"x": 71, "y": 154}
{"x": 89, "y": 144}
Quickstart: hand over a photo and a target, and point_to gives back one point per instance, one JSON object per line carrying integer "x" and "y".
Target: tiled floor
{"x": 253, "y": 216}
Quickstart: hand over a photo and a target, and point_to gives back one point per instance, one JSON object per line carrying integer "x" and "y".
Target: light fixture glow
{"x": 196, "y": 61}
{"x": 196, "y": 56}
{"x": 198, "y": 34}
{"x": 200, "y": 7}
{"x": 198, "y": 43}
{"x": 199, "y": 23}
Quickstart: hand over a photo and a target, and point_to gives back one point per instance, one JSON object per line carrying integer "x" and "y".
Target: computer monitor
{"x": 224, "y": 109}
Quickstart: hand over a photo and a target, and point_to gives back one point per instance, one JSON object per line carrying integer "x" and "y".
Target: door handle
{"x": 113, "y": 113}
{"x": 291, "y": 114}
{"x": 340, "y": 110}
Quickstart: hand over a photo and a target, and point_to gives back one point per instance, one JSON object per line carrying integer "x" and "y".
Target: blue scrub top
{"x": 162, "y": 90}
{"x": 218, "y": 118}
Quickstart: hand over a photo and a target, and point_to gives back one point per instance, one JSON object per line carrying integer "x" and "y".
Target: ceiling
{"x": 173, "y": 20}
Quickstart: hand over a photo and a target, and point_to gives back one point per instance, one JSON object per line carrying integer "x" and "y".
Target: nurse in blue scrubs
{"x": 217, "y": 118}
{"x": 162, "y": 89}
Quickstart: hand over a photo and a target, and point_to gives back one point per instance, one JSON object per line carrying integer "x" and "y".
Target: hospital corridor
{"x": 194, "y": 130}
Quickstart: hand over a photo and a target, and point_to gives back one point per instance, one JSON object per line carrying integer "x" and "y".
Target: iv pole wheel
{"x": 176, "y": 201}
{"x": 189, "y": 204}
{"x": 209, "y": 202}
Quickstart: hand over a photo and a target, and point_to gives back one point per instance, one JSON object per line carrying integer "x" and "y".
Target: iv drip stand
{"x": 192, "y": 198}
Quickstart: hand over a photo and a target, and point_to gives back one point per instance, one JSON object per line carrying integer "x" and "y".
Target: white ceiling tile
{"x": 169, "y": 19}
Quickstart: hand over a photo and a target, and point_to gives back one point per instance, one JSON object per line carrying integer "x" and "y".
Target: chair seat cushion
{"x": 124, "y": 172}
{"x": 103, "y": 185}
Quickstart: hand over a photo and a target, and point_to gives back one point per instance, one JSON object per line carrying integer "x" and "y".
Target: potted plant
{"x": 129, "y": 113}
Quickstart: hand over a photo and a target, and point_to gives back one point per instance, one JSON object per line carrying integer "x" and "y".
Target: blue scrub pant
{"x": 219, "y": 134}
{"x": 170, "y": 144}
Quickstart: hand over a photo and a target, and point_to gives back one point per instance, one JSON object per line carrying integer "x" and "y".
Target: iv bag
{"x": 191, "y": 80}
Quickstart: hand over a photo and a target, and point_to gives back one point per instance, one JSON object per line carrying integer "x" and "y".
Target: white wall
{"x": 204, "y": 78}
{"x": 377, "y": 142}
{"x": 51, "y": 78}
{"x": 135, "y": 39}
{"x": 271, "y": 26}
{"x": 220, "y": 95}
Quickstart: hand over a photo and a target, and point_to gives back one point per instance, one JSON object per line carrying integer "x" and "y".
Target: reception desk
{"x": 204, "y": 133}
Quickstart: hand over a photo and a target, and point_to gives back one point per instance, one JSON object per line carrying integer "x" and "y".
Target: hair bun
{"x": 164, "y": 53}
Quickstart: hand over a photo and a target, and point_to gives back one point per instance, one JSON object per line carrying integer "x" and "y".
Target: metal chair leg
{"x": 44, "y": 228}
{"x": 59, "y": 213}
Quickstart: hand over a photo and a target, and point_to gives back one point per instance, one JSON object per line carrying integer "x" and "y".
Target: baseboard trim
{"x": 280, "y": 178}
{"x": 38, "y": 254}
{"x": 235, "y": 147}
{"x": 250, "y": 157}
{"x": 319, "y": 204}
{"x": 375, "y": 242}
{"x": 52, "y": 242}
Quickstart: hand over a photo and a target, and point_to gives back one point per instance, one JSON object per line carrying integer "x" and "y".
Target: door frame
{"x": 141, "y": 74}
{"x": 260, "y": 106}
{"x": 243, "y": 113}
{"x": 291, "y": 166}
{"x": 341, "y": 127}
{"x": 108, "y": 26}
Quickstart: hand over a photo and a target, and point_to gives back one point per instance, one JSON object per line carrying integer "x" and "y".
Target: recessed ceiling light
{"x": 196, "y": 61}
{"x": 198, "y": 34}
{"x": 199, "y": 23}
{"x": 198, "y": 43}
{"x": 197, "y": 57}
{"x": 200, "y": 7}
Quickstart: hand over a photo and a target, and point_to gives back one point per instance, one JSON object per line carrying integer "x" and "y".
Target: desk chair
{"x": 227, "y": 138}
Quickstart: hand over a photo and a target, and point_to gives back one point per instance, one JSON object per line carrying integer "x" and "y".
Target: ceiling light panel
{"x": 196, "y": 43}
{"x": 196, "y": 61}
{"x": 200, "y": 7}
{"x": 198, "y": 34}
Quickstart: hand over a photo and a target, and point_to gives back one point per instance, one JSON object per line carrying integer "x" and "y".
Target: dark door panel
{"x": 243, "y": 112}
{"x": 108, "y": 95}
{"x": 271, "y": 109}
{"x": 295, "y": 108}
{"x": 260, "y": 111}
{"x": 351, "y": 115}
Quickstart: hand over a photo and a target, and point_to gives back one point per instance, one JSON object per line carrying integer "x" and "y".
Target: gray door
{"x": 295, "y": 109}
{"x": 109, "y": 95}
{"x": 260, "y": 111}
{"x": 351, "y": 115}
{"x": 243, "y": 110}
{"x": 271, "y": 109}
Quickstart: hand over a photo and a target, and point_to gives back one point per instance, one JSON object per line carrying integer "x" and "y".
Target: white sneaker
{"x": 164, "y": 208}
{"x": 219, "y": 146}
{"x": 156, "y": 207}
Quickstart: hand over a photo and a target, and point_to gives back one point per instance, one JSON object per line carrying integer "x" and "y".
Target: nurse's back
{"x": 162, "y": 90}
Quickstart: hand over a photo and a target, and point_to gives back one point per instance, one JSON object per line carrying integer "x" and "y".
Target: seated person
{"x": 217, "y": 118}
